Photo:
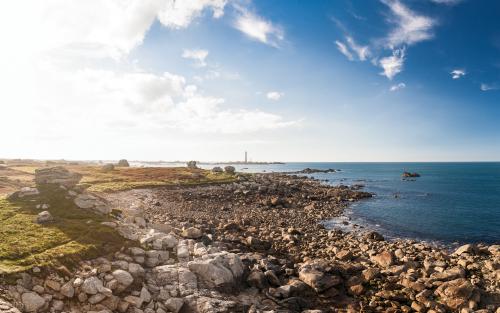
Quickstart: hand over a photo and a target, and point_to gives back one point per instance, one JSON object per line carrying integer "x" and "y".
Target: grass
{"x": 121, "y": 178}
{"x": 75, "y": 234}
{"x": 140, "y": 177}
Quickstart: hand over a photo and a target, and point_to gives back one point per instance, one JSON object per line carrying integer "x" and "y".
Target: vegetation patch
{"x": 75, "y": 233}
{"x": 94, "y": 179}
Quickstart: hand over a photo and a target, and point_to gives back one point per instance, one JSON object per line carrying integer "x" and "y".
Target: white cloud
{"x": 274, "y": 95}
{"x": 362, "y": 51}
{"x": 398, "y": 87}
{"x": 447, "y": 2}
{"x": 67, "y": 70}
{"x": 180, "y": 13}
{"x": 198, "y": 55}
{"x": 458, "y": 73}
{"x": 352, "y": 48}
{"x": 393, "y": 65}
{"x": 410, "y": 27}
{"x": 93, "y": 28}
{"x": 257, "y": 28}
{"x": 488, "y": 87}
{"x": 343, "y": 49}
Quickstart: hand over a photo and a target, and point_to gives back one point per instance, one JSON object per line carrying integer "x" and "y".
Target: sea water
{"x": 449, "y": 203}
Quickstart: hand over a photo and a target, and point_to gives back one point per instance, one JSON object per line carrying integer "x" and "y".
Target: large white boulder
{"x": 218, "y": 270}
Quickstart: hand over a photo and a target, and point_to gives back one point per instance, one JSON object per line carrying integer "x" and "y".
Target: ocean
{"x": 450, "y": 203}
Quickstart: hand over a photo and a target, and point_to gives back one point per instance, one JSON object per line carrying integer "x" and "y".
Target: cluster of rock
{"x": 166, "y": 275}
{"x": 63, "y": 181}
{"x": 258, "y": 245}
{"x": 228, "y": 169}
{"x": 276, "y": 219}
{"x": 57, "y": 175}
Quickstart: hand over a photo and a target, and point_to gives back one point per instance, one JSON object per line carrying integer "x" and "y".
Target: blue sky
{"x": 390, "y": 80}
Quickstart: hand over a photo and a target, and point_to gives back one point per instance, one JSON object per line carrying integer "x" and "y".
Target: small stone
{"x": 44, "y": 217}
{"x": 52, "y": 284}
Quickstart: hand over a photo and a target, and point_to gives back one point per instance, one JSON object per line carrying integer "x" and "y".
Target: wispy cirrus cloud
{"x": 410, "y": 27}
{"x": 457, "y": 73}
{"x": 446, "y": 2}
{"x": 344, "y": 50}
{"x": 407, "y": 28}
{"x": 351, "y": 49}
{"x": 488, "y": 87}
{"x": 258, "y": 28}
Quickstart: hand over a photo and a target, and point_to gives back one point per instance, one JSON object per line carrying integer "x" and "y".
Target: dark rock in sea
{"x": 314, "y": 170}
{"x": 410, "y": 175}
{"x": 373, "y": 235}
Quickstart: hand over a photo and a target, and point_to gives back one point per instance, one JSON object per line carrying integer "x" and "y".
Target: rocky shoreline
{"x": 257, "y": 245}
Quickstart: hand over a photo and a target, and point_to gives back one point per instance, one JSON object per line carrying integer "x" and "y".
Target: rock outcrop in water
{"x": 314, "y": 171}
{"x": 410, "y": 175}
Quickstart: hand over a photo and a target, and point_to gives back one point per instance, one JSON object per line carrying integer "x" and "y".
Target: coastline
{"x": 293, "y": 231}
{"x": 256, "y": 245}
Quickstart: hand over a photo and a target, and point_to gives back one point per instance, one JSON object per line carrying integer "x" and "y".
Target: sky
{"x": 285, "y": 80}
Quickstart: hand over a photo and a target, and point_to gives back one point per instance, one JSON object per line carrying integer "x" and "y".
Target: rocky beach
{"x": 252, "y": 243}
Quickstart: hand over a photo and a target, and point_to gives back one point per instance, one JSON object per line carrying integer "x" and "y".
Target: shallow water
{"x": 450, "y": 202}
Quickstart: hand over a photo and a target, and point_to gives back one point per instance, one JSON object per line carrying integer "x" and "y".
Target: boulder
{"x": 124, "y": 278}
{"x": 217, "y": 169}
{"x": 191, "y": 164}
{"x": 257, "y": 279}
{"x": 314, "y": 275}
{"x": 191, "y": 233}
{"x": 468, "y": 248}
{"x": 373, "y": 235}
{"x": 219, "y": 270}
{"x": 91, "y": 202}
{"x": 32, "y": 302}
{"x": 384, "y": 259}
{"x": 107, "y": 167}
{"x": 455, "y": 293}
{"x": 57, "y": 175}
{"x": 6, "y": 307}
{"x": 44, "y": 217}
{"x": 68, "y": 290}
{"x": 23, "y": 192}
{"x": 229, "y": 169}
{"x": 174, "y": 304}
{"x": 123, "y": 163}
{"x": 92, "y": 285}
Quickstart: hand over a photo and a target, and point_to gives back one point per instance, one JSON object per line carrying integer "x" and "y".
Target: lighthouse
{"x": 246, "y": 157}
